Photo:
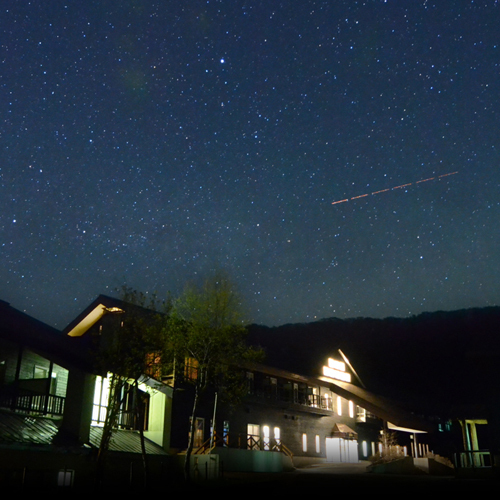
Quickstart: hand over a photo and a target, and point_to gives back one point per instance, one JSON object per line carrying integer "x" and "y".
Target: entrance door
{"x": 340, "y": 450}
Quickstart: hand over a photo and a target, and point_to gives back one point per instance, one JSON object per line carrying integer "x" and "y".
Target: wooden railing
{"x": 23, "y": 400}
{"x": 255, "y": 443}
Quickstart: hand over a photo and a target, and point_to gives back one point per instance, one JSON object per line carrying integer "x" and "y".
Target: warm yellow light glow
{"x": 351, "y": 409}
{"x": 393, "y": 427}
{"x": 339, "y": 405}
{"x": 92, "y": 317}
{"x": 265, "y": 432}
{"x": 304, "y": 443}
{"x": 336, "y": 365}
{"x": 361, "y": 417}
{"x": 336, "y": 374}
{"x": 101, "y": 399}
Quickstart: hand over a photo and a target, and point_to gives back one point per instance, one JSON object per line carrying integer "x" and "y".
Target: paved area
{"x": 335, "y": 478}
{"x": 328, "y": 468}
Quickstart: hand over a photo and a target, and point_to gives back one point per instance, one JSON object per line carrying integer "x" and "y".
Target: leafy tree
{"x": 131, "y": 353}
{"x": 206, "y": 335}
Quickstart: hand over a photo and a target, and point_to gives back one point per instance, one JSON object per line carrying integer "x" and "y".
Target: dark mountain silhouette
{"x": 433, "y": 361}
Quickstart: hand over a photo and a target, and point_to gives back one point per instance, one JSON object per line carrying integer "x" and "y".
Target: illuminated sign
{"x": 336, "y": 365}
{"x": 336, "y": 370}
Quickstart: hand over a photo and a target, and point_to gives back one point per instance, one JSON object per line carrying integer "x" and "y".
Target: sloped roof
{"x": 344, "y": 431}
{"x": 102, "y": 305}
{"x": 19, "y": 327}
{"x": 21, "y": 429}
{"x": 22, "y": 329}
{"x": 125, "y": 441}
{"x": 380, "y": 406}
{"x": 92, "y": 314}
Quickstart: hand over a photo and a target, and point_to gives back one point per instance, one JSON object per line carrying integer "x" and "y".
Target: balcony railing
{"x": 300, "y": 397}
{"x": 31, "y": 402}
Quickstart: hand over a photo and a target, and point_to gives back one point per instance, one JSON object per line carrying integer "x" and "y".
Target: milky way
{"x": 149, "y": 143}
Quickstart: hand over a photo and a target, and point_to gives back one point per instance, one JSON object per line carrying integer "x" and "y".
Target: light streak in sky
{"x": 402, "y": 186}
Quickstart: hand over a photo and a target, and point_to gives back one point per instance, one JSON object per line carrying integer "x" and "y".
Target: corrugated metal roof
{"x": 22, "y": 429}
{"x": 125, "y": 441}
{"x": 18, "y": 428}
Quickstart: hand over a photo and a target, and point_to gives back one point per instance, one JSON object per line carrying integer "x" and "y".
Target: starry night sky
{"x": 149, "y": 143}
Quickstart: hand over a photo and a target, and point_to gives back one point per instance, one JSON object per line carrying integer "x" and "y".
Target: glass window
{"x": 277, "y": 438}
{"x": 266, "y": 435}
{"x": 253, "y": 437}
{"x": 225, "y": 433}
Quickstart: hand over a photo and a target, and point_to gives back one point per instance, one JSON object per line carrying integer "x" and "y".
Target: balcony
{"x": 31, "y": 402}
{"x": 281, "y": 395}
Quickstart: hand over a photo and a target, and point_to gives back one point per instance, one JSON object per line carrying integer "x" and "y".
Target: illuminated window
{"x": 127, "y": 417}
{"x": 253, "y": 437}
{"x": 191, "y": 369}
{"x": 365, "y": 449}
{"x": 199, "y": 425}
{"x": 153, "y": 365}
{"x": 361, "y": 414}
{"x": 304, "y": 442}
{"x": 225, "y": 433}
{"x": 318, "y": 449}
{"x": 312, "y": 396}
{"x": 266, "y": 437}
{"x": 101, "y": 397}
{"x": 65, "y": 478}
{"x": 277, "y": 438}
{"x": 40, "y": 372}
{"x": 351, "y": 409}
{"x": 327, "y": 401}
{"x": 339, "y": 405}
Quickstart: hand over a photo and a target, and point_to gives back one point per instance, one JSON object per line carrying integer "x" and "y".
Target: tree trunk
{"x": 192, "y": 425}
{"x": 109, "y": 425}
{"x": 141, "y": 417}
